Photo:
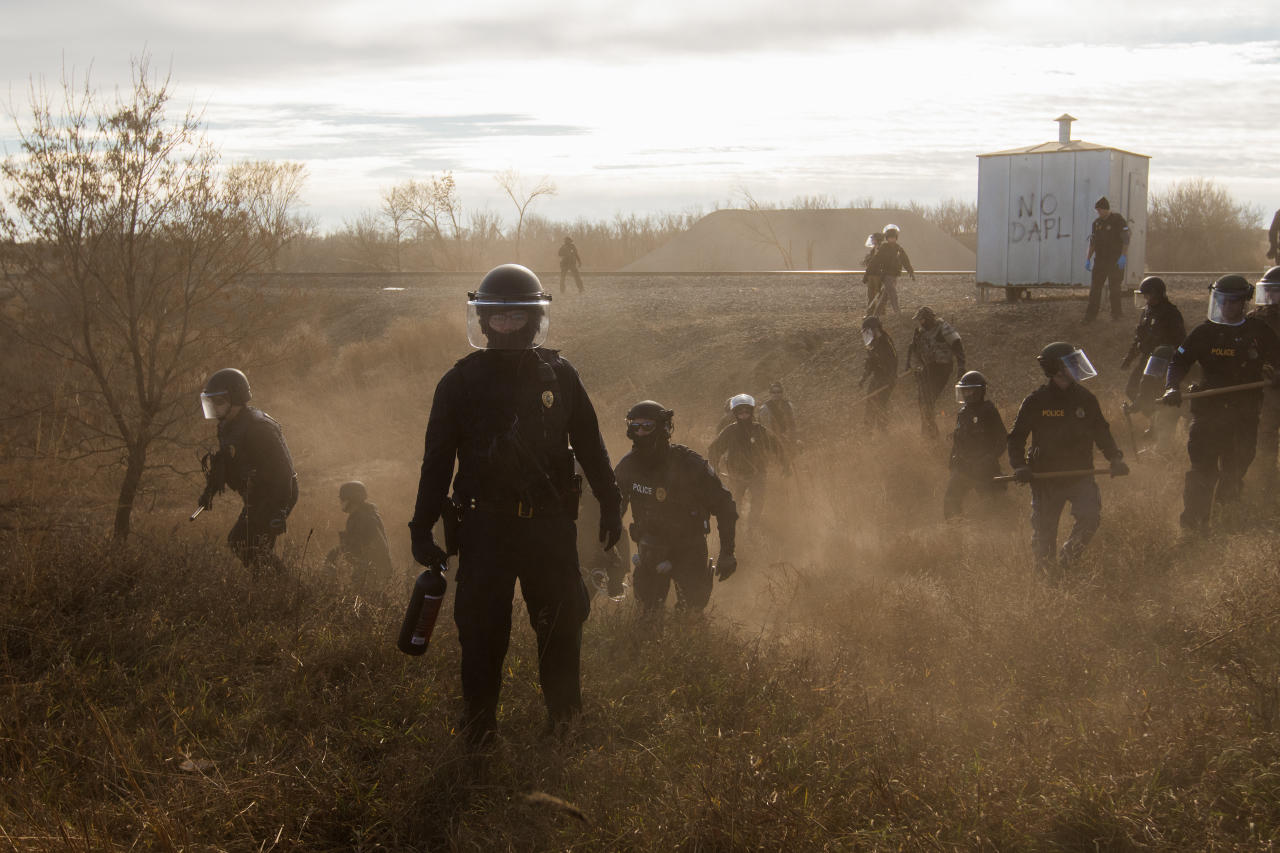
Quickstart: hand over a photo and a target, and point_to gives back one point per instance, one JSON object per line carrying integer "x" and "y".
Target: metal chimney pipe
{"x": 1064, "y": 128}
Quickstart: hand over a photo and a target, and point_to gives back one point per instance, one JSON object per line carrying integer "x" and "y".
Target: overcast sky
{"x": 666, "y": 106}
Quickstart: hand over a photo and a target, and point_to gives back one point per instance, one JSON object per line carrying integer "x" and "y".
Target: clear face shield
{"x": 1156, "y": 367}
{"x": 1079, "y": 367}
{"x": 508, "y": 325}
{"x": 966, "y": 394}
{"x": 1139, "y": 299}
{"x": 868, "y": 337}
{"x": 1226, "y": 309}
{"x": 1266, "y": 294}
{"x": 215, "y": 406}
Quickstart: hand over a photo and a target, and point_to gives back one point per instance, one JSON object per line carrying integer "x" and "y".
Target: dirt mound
{"x": 743, "y": 240}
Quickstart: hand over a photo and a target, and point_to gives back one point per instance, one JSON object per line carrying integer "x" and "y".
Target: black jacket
{"x": 673, "y": 492}
{"x": 364, "y": 540}
{"x": 1227, "y": 355}
{"x": 514, "y": 421}
{"x": 1109, "y": 238}
{"x": 1160, "y": 325}
{"x": 882, "y": 363}
{"x": 256, "y": 463}
{"x": 746, "y": 448}
{"x": 978, "y": 440}
{"x": 1064, "y": 425}
{"x": 890, "y": 259}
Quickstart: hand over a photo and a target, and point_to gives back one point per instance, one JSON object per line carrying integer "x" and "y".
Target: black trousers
{"x": 253, "y": 541}
{"x": 1221, "y": 444}
{"x": 1104, "y": 273}
{"x": 1048, "y": 499}
{"x": 689, "y": 571}
{"x": 496, "y": 550}
{"x": 930, "y": 380}
{"x": 567, "y": 271}
{"x": 967, "y": 479}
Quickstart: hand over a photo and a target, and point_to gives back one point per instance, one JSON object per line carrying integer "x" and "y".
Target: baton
{"x": 1055, "y": 475}
{"x": 1227, "y": 389}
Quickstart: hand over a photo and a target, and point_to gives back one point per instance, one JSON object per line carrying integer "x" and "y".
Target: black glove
{"x": 425, "y": 549}
{"x": 1022, "y": 475}
{"x": 1172, "y": 397}
{"x": 610, "y": 527}
{"x": 726, "y": 565}
{"x": 206, "y": 499}
{"x": 1119, "y": 468}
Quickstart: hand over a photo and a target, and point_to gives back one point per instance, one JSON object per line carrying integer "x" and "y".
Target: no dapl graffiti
{"x": 1037, "y": 222}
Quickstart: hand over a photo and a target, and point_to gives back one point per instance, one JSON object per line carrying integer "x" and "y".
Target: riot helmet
{"x": 225, "y": 388}
{"x": 1227, "y": 296}
{"x": 890, "y": 230}
{"x": 1157, "y": 365}
{"x": 510, "y": 310}
{"x": 775, "y": 389}
{"x": 1061, "y": 356}
{"x": 1152, "y": 286}
{"x": 648, "y": 423}
{"x": 925, "y": 317}
{"x": 742, "y": 403}
{"x": 874, "y": 240}
{"x": 1267, "y": 290}
{"x": 972, "y": 388}
{"x": 353, "y": 492}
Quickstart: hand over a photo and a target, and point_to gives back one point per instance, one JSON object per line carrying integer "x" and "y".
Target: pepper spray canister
{"x": 424, "y": 607}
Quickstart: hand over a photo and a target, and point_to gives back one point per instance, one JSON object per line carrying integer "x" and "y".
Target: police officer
{"x": 1108, "y": 243}
{"x": 1064, "y": 422}
{"x": 1267, "y": 298}
{"x": 976, "y": 445}
{"x": 934, "y": 347}
{"x": 1231, "y": 349}
{"x": 672, "y": 492}
{"x": 570, "y": 260}
{"x": 1160, "y": 325}
{"x": 778, "y": 415}
{"x": 748, "y": 451}
{"x": 514, "y": 416}
{"x": 879, "y": 374}
{"x": 253, "y": 461}
{"x": 363, "y": 544}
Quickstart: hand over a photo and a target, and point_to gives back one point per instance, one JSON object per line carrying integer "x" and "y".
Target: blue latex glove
{"x": 1088, "y": 265}
{"x": 1120, "y": 263}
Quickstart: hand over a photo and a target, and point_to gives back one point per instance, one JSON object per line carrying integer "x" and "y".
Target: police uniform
{"x": 1109, "y": 238}
{"x": 890, "y": 258}
{"x": 1064, "y": 425}
{"x": 880, "y": 372}
{"x": 570, "y": 260}
{"x": 779, "y": 417}
{"x": 673, "y": 492}
{"x": 1269, "y": 414}
{"x": 256, "y": 464}
{"x": 931, "y": 352}
{"x": 364, "y": 544}
{"x": 1160, "y": 325}
{"x": 510, "y": 418}
{"x": 1223, "y": 435}
{"x": 976, "y": 444}
{"x": 747, "y": 449}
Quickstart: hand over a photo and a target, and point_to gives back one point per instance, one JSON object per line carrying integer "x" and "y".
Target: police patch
{"x": 548, "y": 399}
{"x": 660, "y": 493}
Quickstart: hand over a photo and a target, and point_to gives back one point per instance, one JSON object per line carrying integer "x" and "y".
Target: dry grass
{"x": 871, "y": 679}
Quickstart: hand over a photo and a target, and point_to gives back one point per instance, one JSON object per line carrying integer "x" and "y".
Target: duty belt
{"x": 516, "y": 508}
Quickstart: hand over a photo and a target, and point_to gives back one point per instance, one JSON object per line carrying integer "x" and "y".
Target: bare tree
{"x": 761, "y": 227}
{"x": 126, "y": 255}
{"x": 1197, "y": 225}
{"x": 435, "y": 207}
{"x": 394, "y": 210}
{"x": 522, "y": 196}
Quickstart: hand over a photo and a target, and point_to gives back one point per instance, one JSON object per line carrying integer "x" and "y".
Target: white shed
{"x": 1035, "y": 211}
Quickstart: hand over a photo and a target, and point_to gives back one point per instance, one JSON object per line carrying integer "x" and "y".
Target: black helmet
{"x": 1152, "y": 285}
{"x": 1060, "y": 355}
{"x": 1157, "y": 364}
{"x": 776, "y": 388}
{"x": 1267, "y": 291}
{"x": 353, "y": 492}
{"x": 871, "y": 322}
{"x": 649, "y": 410}
{"x": 924, "y": 315}
{"x": 226, "y": 385}
{"x": 1102, "y": 204}
{"x": 1229, "y": 288}
{"x": 972, "y": 388}
{"x": 514, "y": 291}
